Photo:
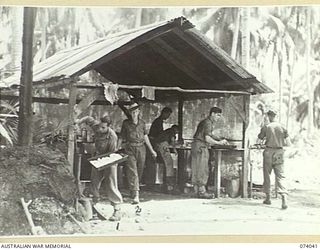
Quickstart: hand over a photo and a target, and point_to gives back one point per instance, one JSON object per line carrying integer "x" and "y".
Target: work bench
{"x": 184, "y": 162}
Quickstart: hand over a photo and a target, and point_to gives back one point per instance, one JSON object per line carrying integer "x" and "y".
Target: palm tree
{"x": 16, "y": 24}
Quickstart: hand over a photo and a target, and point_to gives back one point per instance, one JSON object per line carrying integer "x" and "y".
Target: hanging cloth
{"x": 110, "y": 92}
{"x": 148, "y": 93}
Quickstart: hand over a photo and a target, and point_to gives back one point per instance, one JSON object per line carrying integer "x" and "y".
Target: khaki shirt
{"x": 205, "y": 127}
{"x": 133, "y": 133}
{"x": 274, "y": 134}
{"x": 104, "y": 142}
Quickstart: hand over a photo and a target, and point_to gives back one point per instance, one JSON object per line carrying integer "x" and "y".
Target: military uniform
{"x": 106, "y": 143}
{"x": 134, "y": 134}
{"x": 149, "y": 175}
{"x": 275, "y": 136}
{"x": 162, "y": 147}
{"x": 200, "y": 155}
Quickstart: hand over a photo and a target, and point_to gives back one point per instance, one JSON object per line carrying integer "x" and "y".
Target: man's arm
{"x": 287, "y": 141}
{"x": 212, "y": 141}
{"x": 86, "y": 119}
{"x": 122, "y": 135}
{"x": 148, "y": 143}
{"x": 119, "y": 144}
{"x": 210, "y": 138}
{"x": 262, "y": 133}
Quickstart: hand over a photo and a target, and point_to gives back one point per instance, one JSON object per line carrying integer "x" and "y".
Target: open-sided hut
{"x": 172, "y": 60}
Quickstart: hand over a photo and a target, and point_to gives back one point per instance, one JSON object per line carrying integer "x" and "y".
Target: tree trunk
{"x": 290, "y": 95}
{"x": 245, "y": 37}
{"x": 235, "y": 35}
{"x": 309, "y": 83}
{"x": 280, "y": 61}
{"x": 16, "y": 53}
{"x": 44, "y": 24}
{"x": 25, "y": 93}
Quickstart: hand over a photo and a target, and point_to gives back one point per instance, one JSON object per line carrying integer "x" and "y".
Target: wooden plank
{"x": 87, "y": 101}
{"x": 53, "y": 100}
{"x": 245, "y": 145}
{"x": 126, "y": 86}
{"x": 51, "y": 84}
{"x": 71, "y": 135}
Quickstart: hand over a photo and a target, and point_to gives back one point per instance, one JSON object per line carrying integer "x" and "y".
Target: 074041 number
{"x": 304, "y": 245}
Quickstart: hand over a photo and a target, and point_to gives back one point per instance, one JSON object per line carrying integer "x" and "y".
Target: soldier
{"x": 162, "y": 143}
{"x": 156, "y": 128}
{"x": 134, "y": 133}
{"x": 157, "y": 125}
{"x": 105, "y": 142}
{"x": 275, "y": 137}
{"x": 203, "y": 140}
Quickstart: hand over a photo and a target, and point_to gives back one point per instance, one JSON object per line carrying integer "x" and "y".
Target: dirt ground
{"x": 163, "y": 214}
{"x": 158, "y": 213}
{"x": 175, "y": 215}
{"x": 39, "y": 175}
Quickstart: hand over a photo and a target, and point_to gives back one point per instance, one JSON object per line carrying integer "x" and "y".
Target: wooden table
{"x": 217, "y": 172}
{"x": 217, "y": 159}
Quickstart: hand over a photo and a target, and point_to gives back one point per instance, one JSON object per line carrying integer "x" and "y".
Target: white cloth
{"x": 148, "y": 92}
{"x": 110, "y": 92}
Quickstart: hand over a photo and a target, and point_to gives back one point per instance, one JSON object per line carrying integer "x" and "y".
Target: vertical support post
{"x": 180, "y": 118}
{"x": 77, "y": 167}
{"x": 181, "y": 153}
{"x": 71, "y": 117}
{"x": 245, "y": 145}
{"x": 217, "y": 173}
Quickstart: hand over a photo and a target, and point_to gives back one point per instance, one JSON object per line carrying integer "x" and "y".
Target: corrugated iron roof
{"x": 168, "y": 54}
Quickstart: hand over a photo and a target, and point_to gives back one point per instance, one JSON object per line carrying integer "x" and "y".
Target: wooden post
{"x": 181, "y": 153}
{"x": 25, "y": 92}
{"x": 71, "y": 117}
{"x": 180, "y": 118}
{"x": 217, "y": 172}
{"x": 245, "y": 145}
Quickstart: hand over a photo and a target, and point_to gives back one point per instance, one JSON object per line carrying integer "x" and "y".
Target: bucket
{"x": 233, "y": 187}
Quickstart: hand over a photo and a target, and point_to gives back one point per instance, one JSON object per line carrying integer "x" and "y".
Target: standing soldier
{"x": 155, "y": 129}
{"x": 157, "y": 125}
{"x": 105, "y": 142}
{"x": 134, "y": 133}
{"x": 203, "y": 140}
{"x": 275, "y": 137}
{"x": 162, "y": 145}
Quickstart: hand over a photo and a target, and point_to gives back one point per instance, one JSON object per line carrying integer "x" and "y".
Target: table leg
{"x": 78, "y": 173}
{"x": 217, "y": 173}
{"x": 181, "y": 169}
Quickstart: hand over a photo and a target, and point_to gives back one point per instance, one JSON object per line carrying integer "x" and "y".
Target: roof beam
{"x": 195, "y": 44}
{"x": 175, "y": 58}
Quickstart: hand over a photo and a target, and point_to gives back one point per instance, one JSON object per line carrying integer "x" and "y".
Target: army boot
{"x": 116, "y": 216}
{"x": 135, "y": 197}
{"x": 284, "y": 201}
{"x": 203, "y": 194}
{"x": 267, "y": 201}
